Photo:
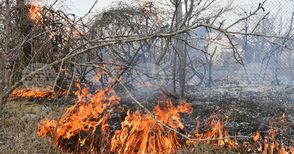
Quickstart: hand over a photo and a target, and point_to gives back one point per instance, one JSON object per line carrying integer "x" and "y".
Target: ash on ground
{"x": 248, "y": 108}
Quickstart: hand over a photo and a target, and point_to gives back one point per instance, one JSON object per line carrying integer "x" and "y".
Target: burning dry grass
{"x": 85, "y": 128}
{"x": 141, "y": 133}
{"x": 19, "y": 136}
{"x": 77, "y": 127}
{"x": 35, "y": 92}
{"x": 267, "y": 143}
{"x": 88, "y": 126}
{"x": 18, "y": 132}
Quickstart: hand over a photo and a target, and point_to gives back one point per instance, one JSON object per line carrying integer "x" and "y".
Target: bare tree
{"x": 124, "y": 37}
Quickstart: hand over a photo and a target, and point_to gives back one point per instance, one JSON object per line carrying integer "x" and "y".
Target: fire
{"x": 46, "y": 128}
{"x": 84, "y": 127}
{"x": 292, "y": 150}
{"x": 37, "y": 92}
{"x": 256, "y": 137}
{"x": 267, "y": 145}
{"x": 215, "y": 134}
{"x": 35, "y": 13}
{"x": 149, "y": 11}
{"x": 46, "y": 18}
{"x": 283, "y": 118}
{"x": 34, "y": 92}
{"x": 141, "y": 133}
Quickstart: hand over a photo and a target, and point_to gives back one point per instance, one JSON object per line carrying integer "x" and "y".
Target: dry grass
{"x": 18, "y": 127}
{"x": 203, "y": 148}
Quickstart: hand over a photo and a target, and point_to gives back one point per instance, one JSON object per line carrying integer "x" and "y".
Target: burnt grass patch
{"x": 246, "y": 112}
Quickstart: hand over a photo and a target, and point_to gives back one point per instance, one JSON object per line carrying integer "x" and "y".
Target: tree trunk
{"x": 182, "y": 66}
{"x": 175, "y": 72}
{"x": 6, "y": 73}
{"x": 14, "y": 67}
{"x": 181, "y": 50}
{"x": 25, "y": 26}
{"x": 6, "y": 69}
{"x": 210, "y": 72}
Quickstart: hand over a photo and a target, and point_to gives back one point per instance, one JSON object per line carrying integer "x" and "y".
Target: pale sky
{"x": 80, "y": 7}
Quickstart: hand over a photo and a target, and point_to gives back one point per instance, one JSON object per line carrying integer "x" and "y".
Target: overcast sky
{"x": 80, "y": 7}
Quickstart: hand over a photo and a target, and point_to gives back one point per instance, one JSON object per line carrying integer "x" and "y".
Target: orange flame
{"x": 46, "y": 128}
{"x": 214, "y": 135}
{"x": 265, "y": 149}
{"x": 256, "y": 137}
{"x": 34, "y": 92}
{"x": 141, "y": 133}
{"x": 149, "y": 11}
{"x": 283, "y": 118}
{"x": 80, "y": 122}
{"x": 282, "y": 150}
{"x": 84, "y": 127}
{"x": 292, "y": 150}
{"x": 34, "y": 12}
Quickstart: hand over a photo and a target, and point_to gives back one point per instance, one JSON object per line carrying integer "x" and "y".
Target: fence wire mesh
{"x": 266, "y": 61}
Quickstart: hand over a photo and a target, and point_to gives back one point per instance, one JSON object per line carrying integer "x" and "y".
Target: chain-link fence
{"x": 266, "y": 61}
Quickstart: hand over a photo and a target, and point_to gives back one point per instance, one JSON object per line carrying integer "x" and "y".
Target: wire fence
{"x": 266, "y": 61}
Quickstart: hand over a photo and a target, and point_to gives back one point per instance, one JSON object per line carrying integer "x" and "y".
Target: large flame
{"x": 141, "y": 133}
{"x": 77, "y": 129}
{"x": 84, "y": 127}
{"x": 87, "y": 127}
